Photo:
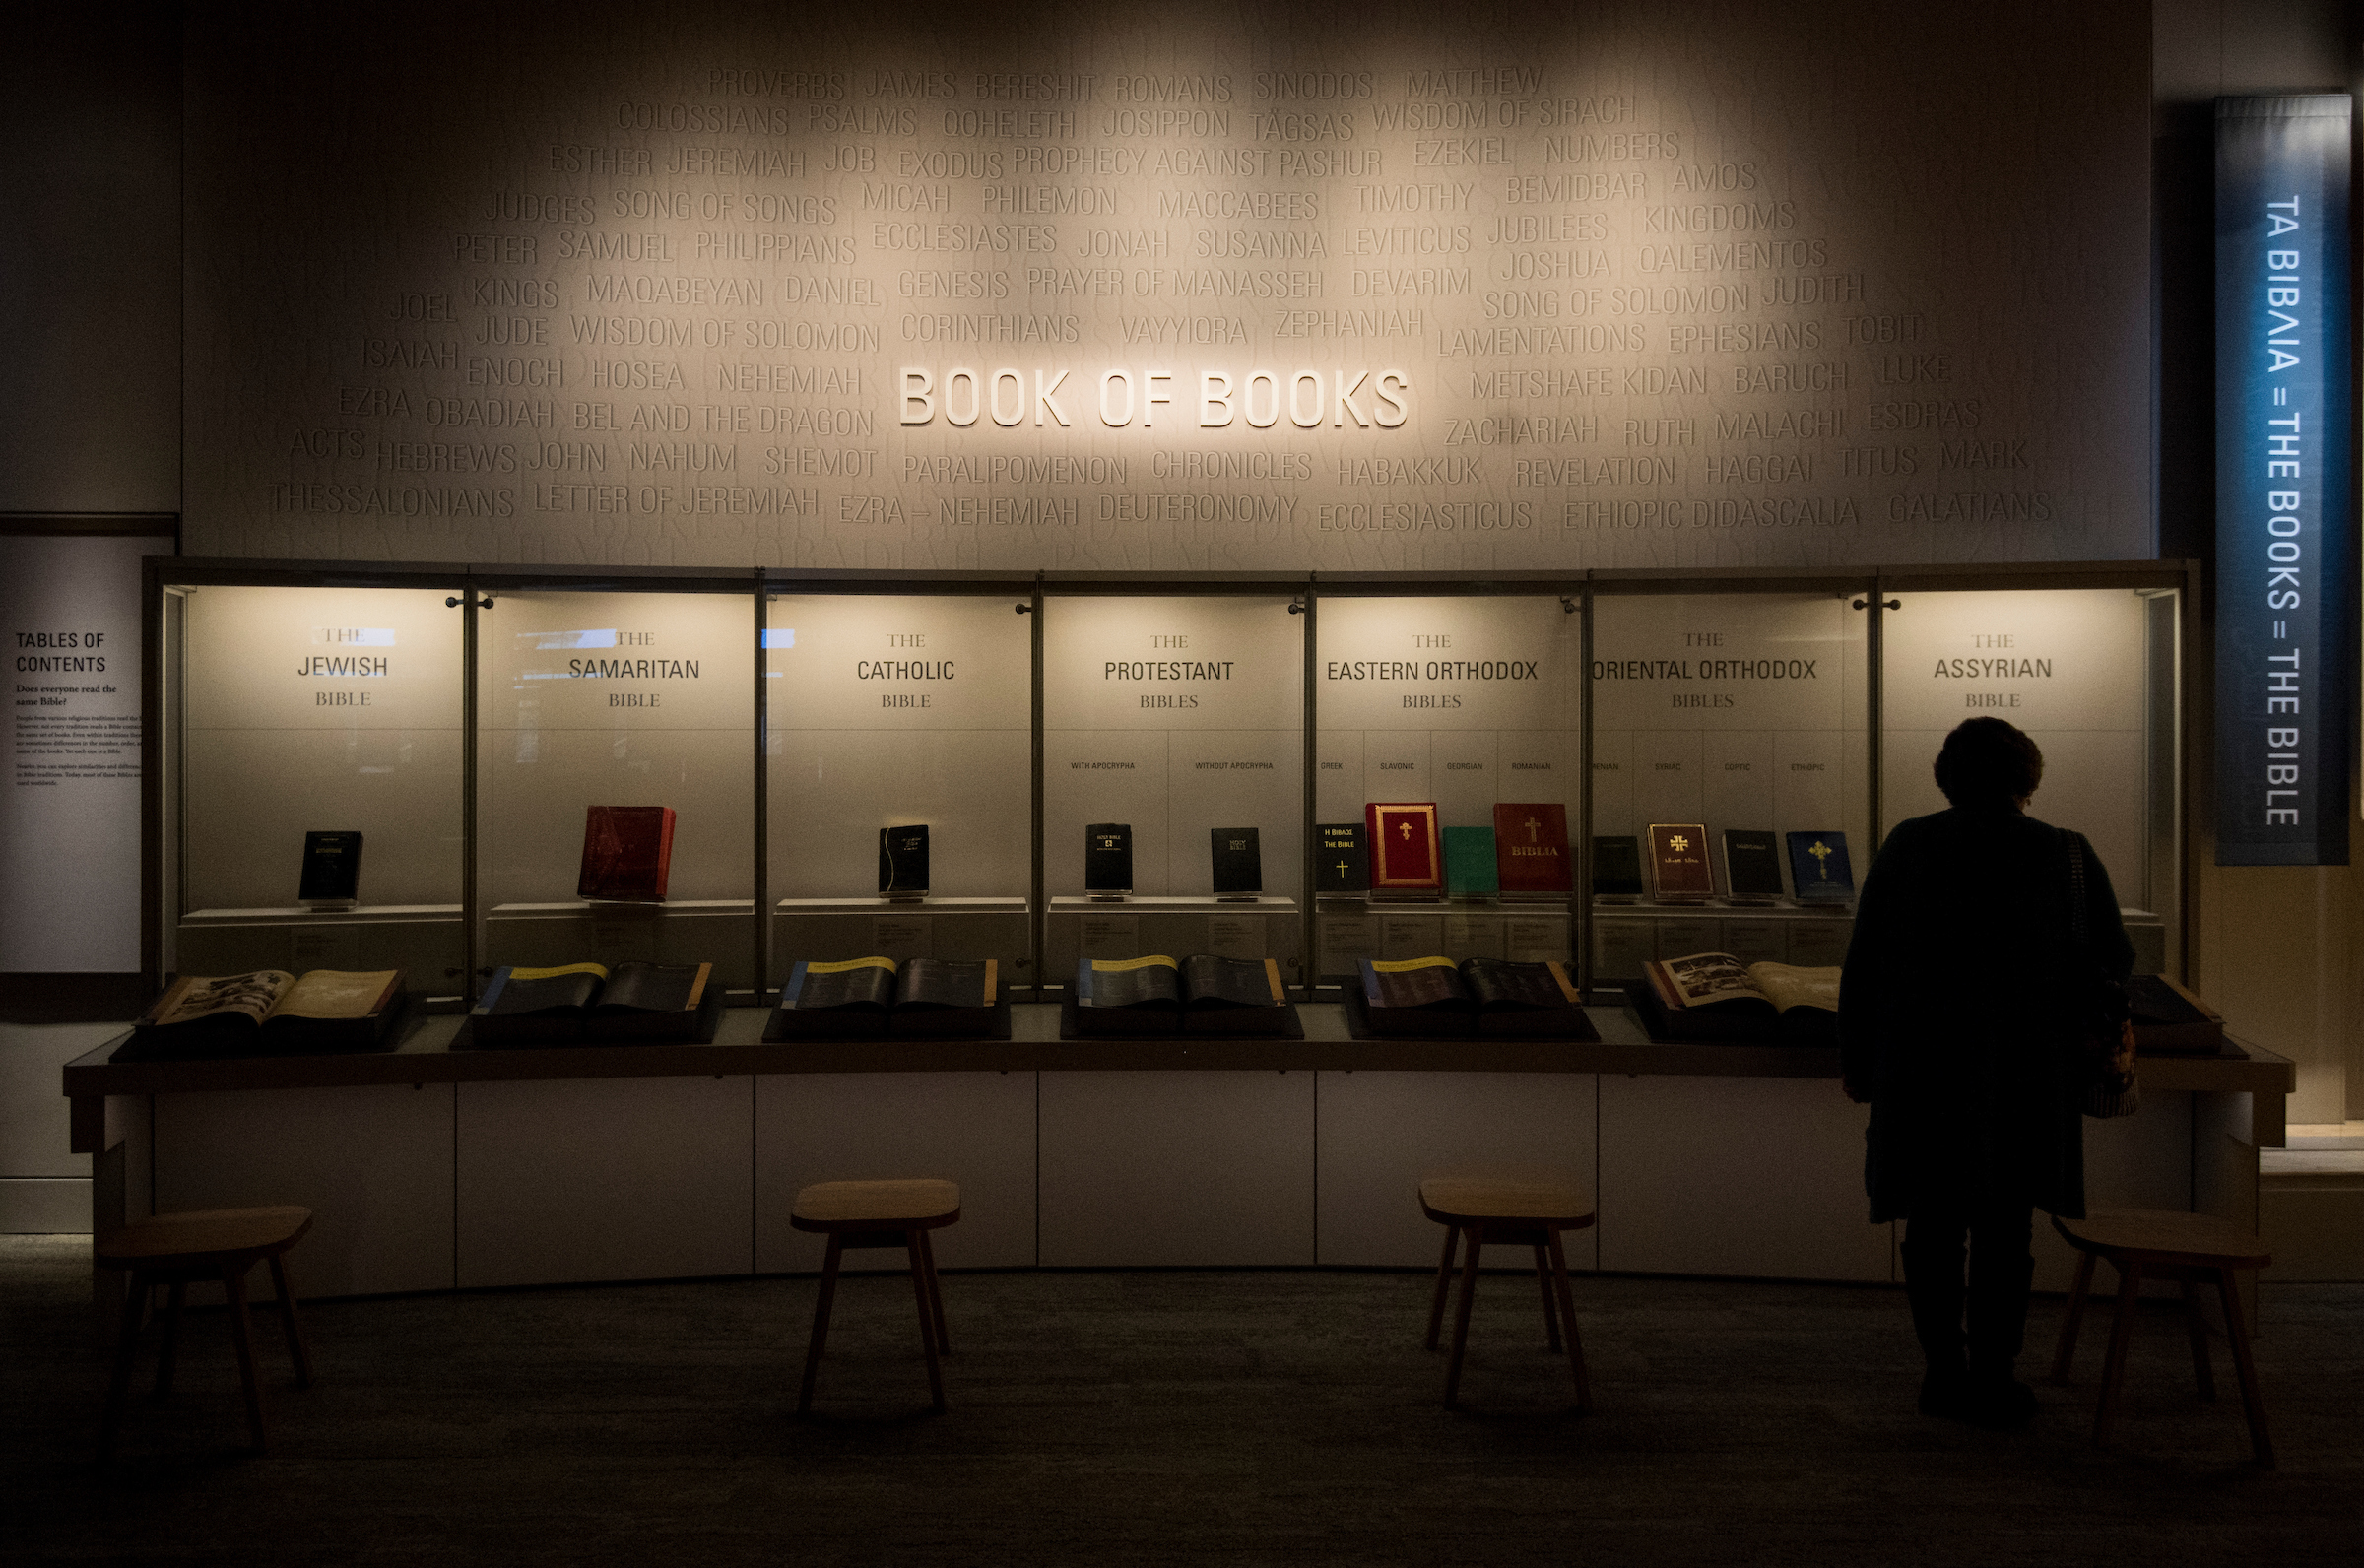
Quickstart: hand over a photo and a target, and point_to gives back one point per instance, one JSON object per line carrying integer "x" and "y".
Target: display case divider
{"x": 1580, "y": 890}
{"x": 472, "y": 913}
{"x": 1038, "y": 925}
{"x": 1309, "y": 946}
{"x": 1874, "y": 603}
{"x": 761, "y": 935}
{"x": 152, "y": 779}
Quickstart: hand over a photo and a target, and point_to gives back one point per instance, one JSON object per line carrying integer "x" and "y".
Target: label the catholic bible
{"x": 1679, "y": 867}
{"x": 1531, "y": 848}
{"x": 627, "y": 853}
{"x": 1403, "y": 846}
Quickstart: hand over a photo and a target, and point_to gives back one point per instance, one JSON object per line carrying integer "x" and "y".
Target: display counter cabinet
{"x": 462, "y": 719}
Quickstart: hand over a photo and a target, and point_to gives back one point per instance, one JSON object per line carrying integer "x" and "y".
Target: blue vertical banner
{"x": 2285, "y": 481}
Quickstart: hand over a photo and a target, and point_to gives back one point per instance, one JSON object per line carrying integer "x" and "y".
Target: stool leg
{"x": 820, "y": 1325}
{"x": 1543, "y": 1277}
{"x": 2065, "y": 1353}
{"x": 173, "y": 1296}
{"x": 1568, "y": 1314}
{"x": 234, "y": 1285}
{"x": 2236, "y": 1329}
{"x": 127, "y": 1346}
{"x": 927, "y": 1259}
{"x": 912, "y": 1246}
{"x": 2122, "y": 1333}
{"x": 2195, "y": 1327}
{"x": 1461, "y": 1316}
{"x": 286, "y": 1316}
{"x": 1444, "y": 1279}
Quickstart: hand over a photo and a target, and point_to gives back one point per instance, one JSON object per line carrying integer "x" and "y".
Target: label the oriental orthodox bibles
{"x": 627, "y": 853}
{"x": 1680, "y": 868}
{"x": 1403, "y": 846}
{"x": 332, "y": 868}
{"x": 1339, "y": 863}
{"x": 1531, "y": 848}
{"x": 903, "y": 860}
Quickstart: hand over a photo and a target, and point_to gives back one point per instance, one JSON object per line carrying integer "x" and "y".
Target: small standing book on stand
{"x": 580, "y": 1002}
{"x": 1679, "y": 869}
{"x": 1157, "y": 997}
{"x": 1341, "y": 863}
{"x": 332, "y": 871}
{"x": 270, "y": 1010}
{"x": 1404, "y": 855}
{"x": 1238, "y": 862}
{"x": 1108, "y": 859}
{"x": 1818, "y": 870}
{"x": 1469, "y": 863}
{"x": 1751, "y": 866}
{"x": 628, "y": 854}
{"x": 1618, "y": 869}
{"x": 904, "y": 862}
{"x": 1485, "y": 997}
{"x": 866, "y": 998}
{"x": 1531, "y": 850}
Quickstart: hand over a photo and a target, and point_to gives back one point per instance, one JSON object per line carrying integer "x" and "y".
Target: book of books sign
{"x": 1618, "y": 867}
{"x": 627, "y": 853}
{"x": 270, "y": 1010}
{"x": 1819, "y": 869}
{"x": 1476, "y": 998}
{"x": 2171, "y": 1020}
{"x": 1404, "y": 855}
{"x": 1158, "y": 997}
{"x": 1713, "y": 997}
{"x": 904, "y": 861}
{"x": 866, "y": 998}
{"x": 1469, "y": 863}
{"x": 1341, "y": 863}
{"x": 1751, "y": 866}
{"x": 1679, "y": 869}
{"x": 1531, "y": 848}
{"x": 1238, "y": 861}
{"x": 588, "y": 1003}
{"x": 1108, "y": 858}
{"x": 332, "y": 868}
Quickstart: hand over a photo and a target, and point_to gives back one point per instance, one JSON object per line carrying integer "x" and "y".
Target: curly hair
{"x": 1989, "y": 763}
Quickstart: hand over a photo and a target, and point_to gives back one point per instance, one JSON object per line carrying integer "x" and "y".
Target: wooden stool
{"x": 2163, "y": 1244}
{"x": 212, "y": 1244}
{"x": 1516, "y": 1213}
{"x": 879, "y": 1214}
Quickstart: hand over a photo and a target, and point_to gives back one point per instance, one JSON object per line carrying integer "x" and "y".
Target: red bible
{"x": 627, "y": 852}
{"x": 1531, "y": 848}
{"x": 1403, "y": 840}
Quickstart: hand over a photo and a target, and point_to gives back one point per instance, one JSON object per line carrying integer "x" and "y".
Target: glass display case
{"x": 1746, "y": 715}
{"x": 602, "y": 695}
{"x": 1177, "y": 718}
{"x": 291, "y": 709}
{"x": 1468, "y": 701}
{"x": 901, "y": 711}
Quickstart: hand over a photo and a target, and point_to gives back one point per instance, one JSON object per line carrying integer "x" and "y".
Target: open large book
{"x": 587, "y": 1002}
{"x": 271, "y": 1009}
{"x": 1158, "y": 997}
{"x": 864, "y": 999}
{"x": 1491, "y": 998}
{"x": 1714, "y": 997}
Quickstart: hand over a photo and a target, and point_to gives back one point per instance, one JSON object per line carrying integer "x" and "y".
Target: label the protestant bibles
{"x": 1403, "y": 846}
{"x": 904, "y": 861}
{"x": 627, "y": 853}
{"x": 1108, "y": 858}
{"x": 1618, "y": 867}
{"x": 1751, "y": 865}
{"x": 1818, "y": 868}
{"x": 1238, "y": 860}
{"x": 1341, "y": 864}
{"x": 332, "y": 868}
{"x": 1531, "y": 848}
{"x": 1469, "y": 862}
{"x": 1679, "y": 868}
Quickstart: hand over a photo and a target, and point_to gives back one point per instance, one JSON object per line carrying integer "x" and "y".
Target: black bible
{"x": 1751, "y": 866}
{"x": 332, "y": 868}
{"x": 1108, "y": 858}
{"x": 1238, "y": 862}
{"x": 1617, "y": 868}
{"x": 904, "y": 862}
{"x": 1340, "y": 863}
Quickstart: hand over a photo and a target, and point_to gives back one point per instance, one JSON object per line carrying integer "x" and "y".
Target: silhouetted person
{"x": 1954, "y": 1022}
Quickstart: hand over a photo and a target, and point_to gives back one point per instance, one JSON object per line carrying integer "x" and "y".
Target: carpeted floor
{"x": 1119, "y": 1418}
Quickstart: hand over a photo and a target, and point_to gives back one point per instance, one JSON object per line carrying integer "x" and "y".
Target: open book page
{"x": 1237, "y": 982}
{"x": 1789, "y": 986}
{"x": 1412, "y": 983}
{"x": 946, "y": 983}
{"x": 516, "y": 991}
{"x": 1704, "y": 979}
{"x": 1130, "y": 982}
{"x": 338, "y": 994}
{"x": 848, "y": 982}
{"x": 1500, "y": 983}
{"x": 656, "y": 987}
{"x": 195, "y": 997}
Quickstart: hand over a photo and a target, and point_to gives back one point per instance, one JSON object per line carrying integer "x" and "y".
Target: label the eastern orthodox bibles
{"x": 1531, "y": 848}
{"x": 332, "y": 868}
{"x": 1818, "y": 868}
{"x": 1618, "y": 866}
{"x": 1403, "y": 846}
{"x": 1679, "y": 863}
{"x": 1108, "y": 858}
{"x": 1469, "y": 862}
{"x": 1341, "y": 863}
{"x": 627, "y": 853}
{"x": 904, "y": 859}
{"x": 1238, "y": 860}
{"x": 1751, "y": 863}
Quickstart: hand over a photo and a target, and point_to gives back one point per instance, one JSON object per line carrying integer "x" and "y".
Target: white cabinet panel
{"x": 1383, "y": 1132}
{"x": 973, "y": 1129}
{"x": 374, "y": 1165}
{"x": 605, "y": 1179}
{"x": 1211, "y": 1168}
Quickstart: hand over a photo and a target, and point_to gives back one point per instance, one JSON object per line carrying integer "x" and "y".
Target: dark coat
{"x": 1954, "y": 1012}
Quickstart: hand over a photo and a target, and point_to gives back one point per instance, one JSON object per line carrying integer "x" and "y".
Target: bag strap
{"x": 2073, "y": 844}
